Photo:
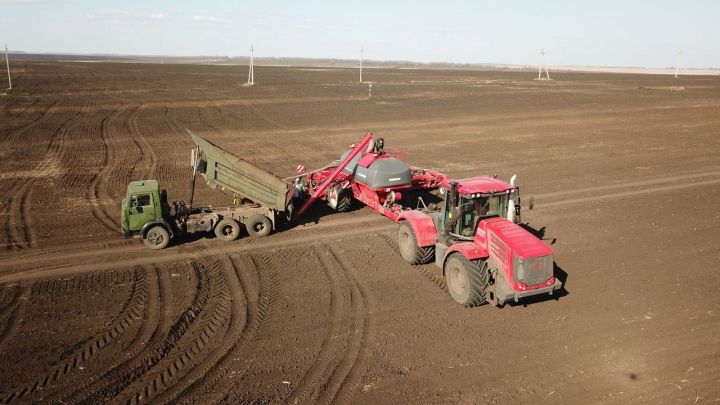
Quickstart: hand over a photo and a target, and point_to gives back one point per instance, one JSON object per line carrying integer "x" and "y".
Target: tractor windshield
{"x": 474, "y": 209}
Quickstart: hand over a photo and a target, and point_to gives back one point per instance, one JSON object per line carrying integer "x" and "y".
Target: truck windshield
{"x": 473, "y": 210}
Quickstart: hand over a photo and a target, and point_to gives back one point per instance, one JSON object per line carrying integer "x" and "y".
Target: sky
{"x": 573, "y": 33}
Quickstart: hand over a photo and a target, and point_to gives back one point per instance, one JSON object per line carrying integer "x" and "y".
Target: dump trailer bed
{"x": 232, "y": 174}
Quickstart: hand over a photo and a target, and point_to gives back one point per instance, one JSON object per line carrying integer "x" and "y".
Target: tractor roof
{"x": 141, "y": 186}
{"x": 479, "y": 184}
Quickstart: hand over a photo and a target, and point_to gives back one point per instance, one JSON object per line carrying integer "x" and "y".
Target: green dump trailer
{"x": 261, "y": 201}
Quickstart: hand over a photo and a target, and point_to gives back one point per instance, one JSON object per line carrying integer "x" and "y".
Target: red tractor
{"x": 484, "y": 255}
{"x": 472, "y": 233}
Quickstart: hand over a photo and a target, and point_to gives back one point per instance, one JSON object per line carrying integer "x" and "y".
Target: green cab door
{"x": 141, "y": 211}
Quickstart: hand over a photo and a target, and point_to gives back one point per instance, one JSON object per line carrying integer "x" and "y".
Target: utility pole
{"x": 542, "y": 64}
{"x": 361, "y": 63}
{"x": 7, "y": 63}
{"x": 251, "y": 71}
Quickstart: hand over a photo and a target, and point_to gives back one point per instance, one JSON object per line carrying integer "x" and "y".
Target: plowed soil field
{"x": 624, "y": 170}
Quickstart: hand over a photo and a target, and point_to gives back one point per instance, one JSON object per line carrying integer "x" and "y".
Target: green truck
{"x": 261, "y": 201}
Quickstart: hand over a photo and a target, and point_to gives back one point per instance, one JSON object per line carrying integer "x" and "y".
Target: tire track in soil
{"x": 14, "y": 205}
{"x": 147, "y": 155}
{"x": 168, "y": 161}
{"x": 65, "y": 286}
{"x": 211, "y": 323}
{"x": 164, "y": 361}
{"x": 130, "y": 313}
{"x": 155, "y": 320}
{"x": 22, "y": 235}
{"x": 237, "y": 359}
{"x": 348, "y": 376}
{"x": 97, "y": 194}
{"x": 428, "y": 271}
{"x": 13, "y": 136}
{"x": 238, "y": 327}
{"x": 171, "y": 122}
{"x": 315, "y": 377}
{"x": 265, "y": 302}
{"x": 15, "y": 115}
{"x": 45, "y": 264}
{"x": 341, "y": 363}
{"x": 13, "y": 311}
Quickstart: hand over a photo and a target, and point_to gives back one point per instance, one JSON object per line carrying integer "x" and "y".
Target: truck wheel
{"x": 258, "y": 225}
{"x": 409, "y": 250}
{"x": 339, "y": 199}
{"x": 466, "y": 281}
{"x": 227, "y": 229}
{"x": 156, "y": 237}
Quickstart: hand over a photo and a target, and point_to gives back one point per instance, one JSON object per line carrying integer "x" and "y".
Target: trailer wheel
{"x": 409, "y": 250}
{"x": 339, "y": 199}
{"x": 466, "y": 282}
{"x": 156, "y": 237}
{"x": 258, "y": 225}
{"x": 227, "y": 229}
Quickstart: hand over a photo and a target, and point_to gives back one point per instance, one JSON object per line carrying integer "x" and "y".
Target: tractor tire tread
{"x": 478, "y": 277}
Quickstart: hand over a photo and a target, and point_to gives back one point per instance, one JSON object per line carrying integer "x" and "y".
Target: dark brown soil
{"x": 624, "y": 170}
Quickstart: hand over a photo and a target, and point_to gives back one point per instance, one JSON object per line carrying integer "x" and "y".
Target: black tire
{"x": 339, "y": 199}
{"x": 258, "y": 225}
{"x": 157, "y": 237}
{"x": 227, "y": 229}
{"x": 409, "y": 250}
{"x": 466, "y": 282}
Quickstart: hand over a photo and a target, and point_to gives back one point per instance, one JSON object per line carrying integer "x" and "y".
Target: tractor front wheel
{"x": 157, "y": 237}
{"x": 409, "y": 250}
{"x": 466, "y": 281}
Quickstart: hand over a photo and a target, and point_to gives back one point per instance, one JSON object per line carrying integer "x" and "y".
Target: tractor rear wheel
{"x": 227, "y": 229}
{"x": 466, "y": 281}
{"x": 339, "y": 199}
{"x": 409, "y": 250}
{"x": 157, "y": 237}
{"x": 258, "y": 225}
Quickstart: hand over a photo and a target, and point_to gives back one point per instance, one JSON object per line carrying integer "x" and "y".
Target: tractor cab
{"x": 474, "y": 208}
{"x": 469, "y": 201}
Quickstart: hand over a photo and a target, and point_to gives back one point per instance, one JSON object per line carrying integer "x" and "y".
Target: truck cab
{"x": 144, "y": 208}
{"x": 475, "y": 240}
